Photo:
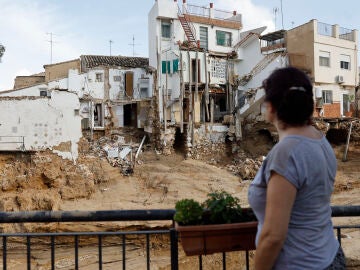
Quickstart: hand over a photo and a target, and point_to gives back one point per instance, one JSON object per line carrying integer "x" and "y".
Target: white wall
{"x": 328, "y": 74}
{"x": 250, "y": 55}
{"x": 33, "y": 91}
{"x": 45, "y": 123}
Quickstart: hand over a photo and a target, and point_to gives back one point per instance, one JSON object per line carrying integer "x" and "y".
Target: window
{"x": 143, "y": 92}
{"x": 223, "y": 38}
{"x": 165, "y": 67}
{"x": 117, "y": 78}
{"x": 165, "y": 29}
{"x": 327, "y": 96}
{"x": 98, "y": 77}
{"x": 324, "y": 59}
{"x": 43, "y": 93}
{"x": 218, "y": 69}
{"x": 175, "y": 65}
{"x": 203, "y": 37}
{"x": 344, "y": 61}
{"x": 346, "y": 103}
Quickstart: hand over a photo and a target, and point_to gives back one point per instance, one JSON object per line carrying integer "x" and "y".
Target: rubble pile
{"x": 355, "y": 130}
{"x": 245, "y": 167}
{"x": 117, "y": 152}
{"x": 321, "y": 125}
{"x": 206, "y": 149}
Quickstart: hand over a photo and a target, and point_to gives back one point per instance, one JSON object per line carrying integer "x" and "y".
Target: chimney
{"x": 184, "y": 1}
{"x": 234, "y": 12}
{"x": 211, "y": 5}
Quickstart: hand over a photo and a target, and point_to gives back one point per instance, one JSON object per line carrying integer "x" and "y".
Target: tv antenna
{"x": 51, "y": 41}
{"x": 110, "y": 42}
{"x": 282, "y": 14}
{"x": 275, "y": 10}
{"x": 133, "y": 45}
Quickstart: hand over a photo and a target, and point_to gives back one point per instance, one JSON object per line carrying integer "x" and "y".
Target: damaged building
{"x": 91, "y": 96}
{"x": 198, "y": 91}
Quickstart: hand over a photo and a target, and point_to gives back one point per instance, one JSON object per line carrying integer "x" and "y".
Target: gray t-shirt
{"x": 310, "y": 165}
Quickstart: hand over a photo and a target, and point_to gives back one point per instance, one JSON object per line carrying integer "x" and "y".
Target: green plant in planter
{"x": 219, "y": 207}
{"x": 188, "y": 212}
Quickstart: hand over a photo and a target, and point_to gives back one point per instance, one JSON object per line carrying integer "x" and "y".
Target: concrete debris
{"x": 117, "y": 152}
{"x": 245, "y": 168}
{"x": 321, "y": 125}
{"x": 355, "y": 131}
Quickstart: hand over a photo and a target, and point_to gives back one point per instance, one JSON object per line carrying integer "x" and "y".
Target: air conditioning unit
{"x": 339, "y": 79}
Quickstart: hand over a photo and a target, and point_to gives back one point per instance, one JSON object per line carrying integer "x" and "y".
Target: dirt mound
{"x": 40, "y": 181}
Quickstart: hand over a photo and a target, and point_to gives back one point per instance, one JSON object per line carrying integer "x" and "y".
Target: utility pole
{"x": 110, "y": 41}
{"x": 51, "y": 45}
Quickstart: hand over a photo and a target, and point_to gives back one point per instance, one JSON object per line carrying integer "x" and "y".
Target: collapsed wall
{"x": 39, "y": 123}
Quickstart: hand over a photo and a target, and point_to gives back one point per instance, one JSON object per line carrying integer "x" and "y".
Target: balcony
{"x": 273, "y": 42}
{"x": 212, "y": 16}
{"x": 335, "y": 31}
{"x": 116, "y": 248}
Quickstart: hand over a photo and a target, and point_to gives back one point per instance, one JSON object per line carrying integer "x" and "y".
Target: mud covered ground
{"x": 43, "y": 181}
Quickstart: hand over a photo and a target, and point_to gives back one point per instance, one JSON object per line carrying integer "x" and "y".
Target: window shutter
{"x": 163, "y": 67}
{"x": 175, "y": 65}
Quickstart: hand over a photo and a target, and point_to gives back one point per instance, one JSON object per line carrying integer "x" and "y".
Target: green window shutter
{"x": 163, "y": 67}
{"x": 168, "y": 67}
{"x": 175, "y": 65}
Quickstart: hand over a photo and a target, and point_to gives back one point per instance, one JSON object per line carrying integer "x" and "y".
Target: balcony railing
{"x": 15, "y": 142}
{"x": 218, "y": 14}
{"x": 346, "y": 34}
{"x": 198, "y": 10}
{"x": 324, "y": 29}
{"x": 127, "y": 249}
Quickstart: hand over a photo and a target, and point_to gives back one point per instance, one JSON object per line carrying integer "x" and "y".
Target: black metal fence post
{"x": 174, "y": 252}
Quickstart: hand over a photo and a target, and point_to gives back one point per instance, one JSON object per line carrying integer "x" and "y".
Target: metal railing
{"x": 121, "y": 244}
{"x": 19, "y": 141}
{"x": 324, "y": 29}
{"x": 346, "y": 34}
{"x": 218, "y": 14}
{"x": 198, "y": 10}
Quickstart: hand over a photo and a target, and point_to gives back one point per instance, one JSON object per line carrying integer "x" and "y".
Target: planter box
{"x": 208, "y": 239}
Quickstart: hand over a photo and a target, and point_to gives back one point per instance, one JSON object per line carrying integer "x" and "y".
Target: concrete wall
{"x": 44, "y": 123}
{"x": 336, "y": 46}
{"x": 60, "y": 70}
{"x": 300, "y": 46}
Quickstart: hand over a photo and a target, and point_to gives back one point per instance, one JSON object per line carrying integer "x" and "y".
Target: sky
{"x": 87, "y": 26}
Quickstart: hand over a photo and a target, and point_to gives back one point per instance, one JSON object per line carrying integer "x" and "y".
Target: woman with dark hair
{"x": 290, "y": 194}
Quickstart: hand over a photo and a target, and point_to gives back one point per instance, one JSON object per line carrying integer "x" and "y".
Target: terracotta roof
{"x": 90, "y": 61}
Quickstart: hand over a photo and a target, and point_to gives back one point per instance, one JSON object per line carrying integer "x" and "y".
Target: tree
{"x": 2, "y": 50}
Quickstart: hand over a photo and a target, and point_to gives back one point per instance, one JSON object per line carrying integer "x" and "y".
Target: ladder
{"x": 187, "y": 26}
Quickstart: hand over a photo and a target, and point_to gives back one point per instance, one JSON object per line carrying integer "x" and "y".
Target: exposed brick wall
{"x": 215, "y": 22}
{"x": 25, "y": 81}
{"x": 332, "y": 110}
{"x": 60, "y": 70}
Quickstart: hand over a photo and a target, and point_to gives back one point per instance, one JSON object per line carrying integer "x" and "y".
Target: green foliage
{"x": 219, "y": 207}
{"x": 188, "y": 212}
{"x": 223, "y": 208}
